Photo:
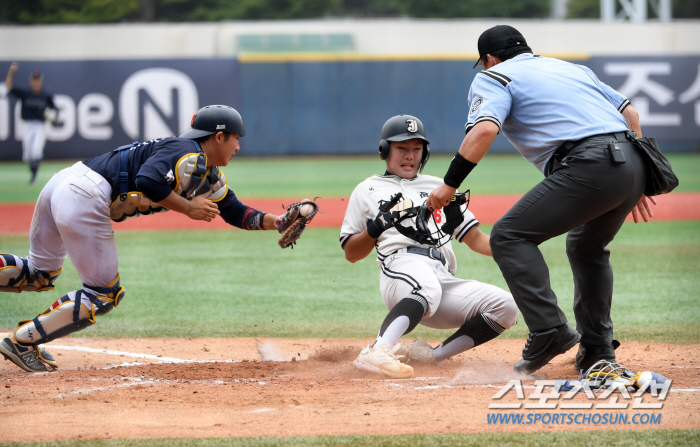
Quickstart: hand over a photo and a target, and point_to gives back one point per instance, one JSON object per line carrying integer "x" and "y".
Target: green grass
{"x": 622, "y": 438}
{"x": 236, "y": 283}
{"x": 224, "y": 283}
{"x": 338, "y": 176}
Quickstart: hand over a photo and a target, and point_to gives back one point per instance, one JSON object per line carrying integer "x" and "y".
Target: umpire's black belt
{"x": 432, "y": 253}
{"x": 567, "y": 146}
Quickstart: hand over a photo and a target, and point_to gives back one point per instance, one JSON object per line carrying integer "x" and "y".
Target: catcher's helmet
{"x": 426, "y": 229}
{"x": 454, "y": 216}
{"x": 213, "y": 119}
{"x": 402, "y": 128}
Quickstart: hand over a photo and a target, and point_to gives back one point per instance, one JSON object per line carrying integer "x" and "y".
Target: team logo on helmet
{"x": 220, "y": 126}
{"x": 412, "y": 125}
{"x": 192, "y": 122}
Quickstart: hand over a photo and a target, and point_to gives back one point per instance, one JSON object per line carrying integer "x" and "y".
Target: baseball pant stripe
{"x": 495, "y": 326}
{"x": 403, "y": 277}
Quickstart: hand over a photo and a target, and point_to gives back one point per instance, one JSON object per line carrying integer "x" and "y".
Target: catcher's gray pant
{"x": 33, "y": 140}
{"x": 451, "y": 301}
{"x": 72, "y": 216}
{"x": 588, "y": 196}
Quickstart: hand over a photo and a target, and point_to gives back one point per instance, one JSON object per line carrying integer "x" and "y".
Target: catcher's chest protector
{"x": 192, "y": 178}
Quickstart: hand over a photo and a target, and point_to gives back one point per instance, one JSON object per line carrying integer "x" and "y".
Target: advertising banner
{"x": 664, "y": 90}
{"x": 312, "y": 107}
{"x": 105, "y": 104}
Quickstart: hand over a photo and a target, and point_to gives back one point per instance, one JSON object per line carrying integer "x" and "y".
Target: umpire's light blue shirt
{"x": 539, "y": 103}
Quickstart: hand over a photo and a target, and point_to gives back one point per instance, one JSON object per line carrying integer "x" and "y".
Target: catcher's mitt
{"x": 292, "y": 223}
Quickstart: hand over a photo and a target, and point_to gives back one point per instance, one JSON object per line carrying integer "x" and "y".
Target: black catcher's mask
{"x": 441, "y": 234}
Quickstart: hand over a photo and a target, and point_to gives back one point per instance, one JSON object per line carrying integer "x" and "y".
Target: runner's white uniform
{"x": 449, "y": 301}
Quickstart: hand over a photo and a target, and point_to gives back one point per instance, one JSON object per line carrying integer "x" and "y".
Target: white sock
{"x": 396, "y": 329}
{"x": 459, "y": 344}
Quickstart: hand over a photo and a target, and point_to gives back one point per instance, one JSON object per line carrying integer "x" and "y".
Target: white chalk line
{"x": 159, "y": 359}
{"x": 133, "y": 381}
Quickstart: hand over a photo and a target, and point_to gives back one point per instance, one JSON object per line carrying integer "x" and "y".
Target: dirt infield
{"x": 16, "y": 218}
{"x": 283, "y": 387}
{"x": 153, "y": 388}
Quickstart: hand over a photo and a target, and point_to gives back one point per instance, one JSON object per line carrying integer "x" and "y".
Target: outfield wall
{"x": 144, "y": 81}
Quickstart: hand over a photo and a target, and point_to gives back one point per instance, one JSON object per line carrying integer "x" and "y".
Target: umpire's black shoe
{"x": 588, "y": 355}
{"x": 541, "y": 347}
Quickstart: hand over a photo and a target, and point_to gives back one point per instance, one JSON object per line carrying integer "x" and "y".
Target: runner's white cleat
{"x": 380, "y": 359}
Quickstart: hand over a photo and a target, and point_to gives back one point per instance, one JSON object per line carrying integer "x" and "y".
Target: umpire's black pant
{"x": 588, "y": 196}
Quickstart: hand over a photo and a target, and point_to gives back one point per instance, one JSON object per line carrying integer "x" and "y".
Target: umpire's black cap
{"x": 215, "y": 118}
{"x": 498, "y": 38}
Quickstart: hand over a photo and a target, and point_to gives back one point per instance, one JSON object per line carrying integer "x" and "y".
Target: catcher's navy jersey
{"x": 157, "y": 160}
{"x": 539, "y": 103}
{"x": 33, "y": 104}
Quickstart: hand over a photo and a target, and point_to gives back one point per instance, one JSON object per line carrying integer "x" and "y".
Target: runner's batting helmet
{"x": 216, "y": 118}
{"x": 402, "y": 128}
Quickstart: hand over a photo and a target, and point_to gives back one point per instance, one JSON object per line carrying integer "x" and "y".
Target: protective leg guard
{"x": 16, "y": 277}
{"x": 110, "y": 296}
{"x": 70, "y": 313}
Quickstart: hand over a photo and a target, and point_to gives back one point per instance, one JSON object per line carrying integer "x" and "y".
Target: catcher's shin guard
{"x": 16, "y": 277}
{"x": 70, "y": 313}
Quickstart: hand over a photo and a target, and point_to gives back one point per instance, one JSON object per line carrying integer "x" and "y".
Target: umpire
{"x": 577, "y": 131}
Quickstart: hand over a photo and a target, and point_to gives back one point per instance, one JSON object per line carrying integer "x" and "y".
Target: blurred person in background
{"x": 37, "y": 107}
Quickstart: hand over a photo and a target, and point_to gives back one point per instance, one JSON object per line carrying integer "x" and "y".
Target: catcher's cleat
{"x": 588, "y": 355}
{"x": 419, "y": 352}
{"x": 30, "y": 358}
{"x": 541, "y": 347}
{"x": 381, "y": 359}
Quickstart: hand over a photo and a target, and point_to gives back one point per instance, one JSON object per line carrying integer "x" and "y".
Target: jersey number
{"x": 437, "y": 215}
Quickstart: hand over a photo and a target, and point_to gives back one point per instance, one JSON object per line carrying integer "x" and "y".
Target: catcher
{"x": 415, "y": 255}
{"x": 73, "y": 213}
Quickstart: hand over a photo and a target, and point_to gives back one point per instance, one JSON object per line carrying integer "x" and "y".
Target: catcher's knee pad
{"x": 71, "y": 313}
{"x": 109, "y": 296}
{"x": 16, "y": 277}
